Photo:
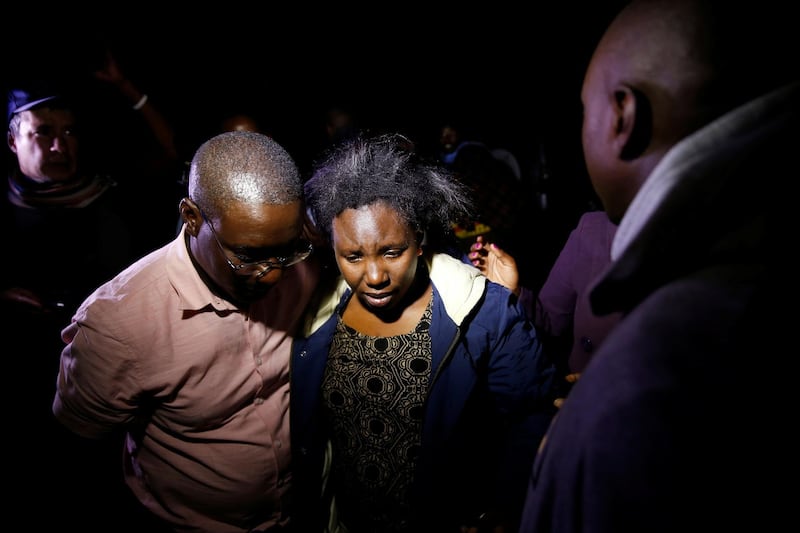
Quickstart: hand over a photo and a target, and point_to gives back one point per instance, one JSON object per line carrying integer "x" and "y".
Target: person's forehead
{"x": 46, "y": 115}
{"x": 249, "y": 224}
{"x": 377, "y": 214}
{"x": 597, "y": 74}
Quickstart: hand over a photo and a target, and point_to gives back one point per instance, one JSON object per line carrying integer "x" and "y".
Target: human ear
{"x": 190, "y": 214}
{"x": 634, "y": 122}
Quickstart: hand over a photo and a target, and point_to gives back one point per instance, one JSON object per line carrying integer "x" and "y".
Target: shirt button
{"x": 259, "y": 400}
{"x": 587, "y": 344}
{"x": 259, "y": 361}
{"x": 303, "y": 353}
{"x": 278, "y": 444}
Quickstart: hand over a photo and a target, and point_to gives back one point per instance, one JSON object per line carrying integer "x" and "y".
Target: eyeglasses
{"x": 302, "y": 249}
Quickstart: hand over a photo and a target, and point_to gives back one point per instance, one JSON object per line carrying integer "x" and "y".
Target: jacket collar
{"x": 708, "y": 202}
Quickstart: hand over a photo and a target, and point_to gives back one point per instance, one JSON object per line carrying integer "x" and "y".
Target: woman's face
{"x": 377, "y": 253}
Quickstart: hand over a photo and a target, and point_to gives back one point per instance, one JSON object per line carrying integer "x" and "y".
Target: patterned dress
{"x": 374, "y": 390}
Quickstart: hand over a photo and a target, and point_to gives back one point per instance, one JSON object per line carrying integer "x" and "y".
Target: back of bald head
{"x": 697, "y": 59}
{"x": 242, "y": 167}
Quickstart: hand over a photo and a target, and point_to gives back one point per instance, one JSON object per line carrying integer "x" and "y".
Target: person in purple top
{"x": 561, "y": 310}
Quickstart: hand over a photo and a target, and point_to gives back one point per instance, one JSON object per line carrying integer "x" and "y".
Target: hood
{"x": 460, "y": 285}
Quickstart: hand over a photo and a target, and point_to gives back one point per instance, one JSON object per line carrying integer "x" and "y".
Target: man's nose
{"x": 59, "y": 143}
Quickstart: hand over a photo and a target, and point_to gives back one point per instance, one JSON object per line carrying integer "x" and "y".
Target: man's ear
{"x": 190, "y": 214}
{"x": 634, "y": 128}
{"x": 11, "y": 141}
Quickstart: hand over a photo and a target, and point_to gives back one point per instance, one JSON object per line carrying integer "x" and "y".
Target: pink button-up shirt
{"x": 206, "y": 383}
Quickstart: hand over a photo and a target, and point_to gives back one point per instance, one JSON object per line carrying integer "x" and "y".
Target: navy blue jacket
{"x": 682, "y": 418}
{"x": 489, "y": 403}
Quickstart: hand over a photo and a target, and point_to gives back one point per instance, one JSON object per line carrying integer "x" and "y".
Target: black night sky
{"x": 512, "y": 72}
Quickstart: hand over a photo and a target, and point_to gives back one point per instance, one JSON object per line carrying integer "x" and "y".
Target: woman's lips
{"x": 378, "y": 300}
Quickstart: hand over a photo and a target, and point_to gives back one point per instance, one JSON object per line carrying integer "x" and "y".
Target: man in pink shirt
{"x": 187, "y": 350}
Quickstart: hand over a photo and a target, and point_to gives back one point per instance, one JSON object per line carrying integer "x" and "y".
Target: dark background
{"x": 514, "y": 73}
{"x": 510, "y": 75}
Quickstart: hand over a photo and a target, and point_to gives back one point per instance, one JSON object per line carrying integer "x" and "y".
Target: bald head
{"x": 666, "y": 68}
{"x": 694, "y": 60}
{"x": 242, "y": 167}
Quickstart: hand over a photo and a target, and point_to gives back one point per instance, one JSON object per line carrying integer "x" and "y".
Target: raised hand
{"x": 495, "y": 263}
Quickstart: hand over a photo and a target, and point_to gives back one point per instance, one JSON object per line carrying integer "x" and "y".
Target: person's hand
{"x": 110, "y": 72}
{"x": 571, "y": 379}
{"x": 495, "y": 263}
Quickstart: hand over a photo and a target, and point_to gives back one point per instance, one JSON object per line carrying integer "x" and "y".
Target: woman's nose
{"x": 375, "y": 274}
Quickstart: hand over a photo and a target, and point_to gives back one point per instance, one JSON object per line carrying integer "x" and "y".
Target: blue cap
{"x": 24, "y": 99}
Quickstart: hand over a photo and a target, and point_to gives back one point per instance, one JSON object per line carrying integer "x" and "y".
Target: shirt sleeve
{"x": 96, "y": 385}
